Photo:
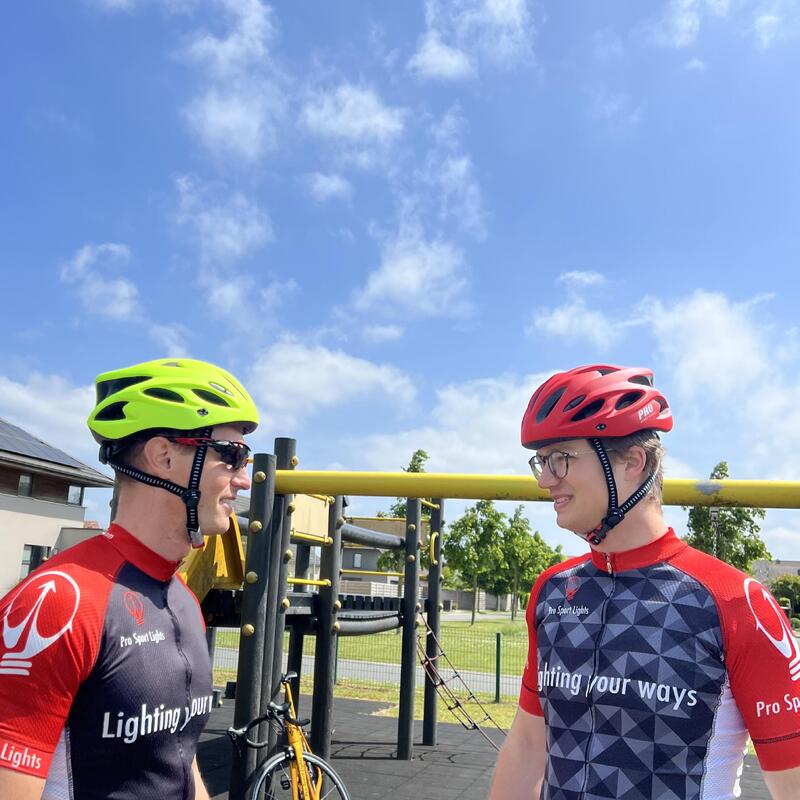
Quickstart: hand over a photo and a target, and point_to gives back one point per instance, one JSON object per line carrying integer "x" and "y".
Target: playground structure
{"x": 262, "y": 605}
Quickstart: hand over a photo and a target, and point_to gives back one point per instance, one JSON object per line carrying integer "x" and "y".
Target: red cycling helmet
{"x": 592, "y": 402}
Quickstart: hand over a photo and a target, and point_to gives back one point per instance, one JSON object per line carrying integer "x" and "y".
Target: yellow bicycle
{"x": 295, "y": 772}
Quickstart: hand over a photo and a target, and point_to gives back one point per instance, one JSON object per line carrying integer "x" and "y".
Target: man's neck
{"x": 158, "y": 522}
{"x": 642, "y": 525}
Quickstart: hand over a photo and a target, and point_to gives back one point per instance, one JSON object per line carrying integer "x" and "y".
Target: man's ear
{"x": 156, "y": 457}
{"x": 635, "y": 460}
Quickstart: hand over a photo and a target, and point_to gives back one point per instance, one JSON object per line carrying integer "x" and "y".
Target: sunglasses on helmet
{"x": 235, "y": 454}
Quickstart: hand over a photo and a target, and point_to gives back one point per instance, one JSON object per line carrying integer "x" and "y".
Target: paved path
{"x": 459, "y": 767}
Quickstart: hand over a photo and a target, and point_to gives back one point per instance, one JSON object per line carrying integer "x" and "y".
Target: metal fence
{"x": 490, "y": 663}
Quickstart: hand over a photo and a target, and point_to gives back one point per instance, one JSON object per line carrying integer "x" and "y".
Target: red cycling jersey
{"x": 105, "y": 679}
{"x": 651, "y": 667}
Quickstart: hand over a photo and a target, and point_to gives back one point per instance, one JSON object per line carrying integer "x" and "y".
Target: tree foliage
{"x": 787, "y": 586}
{"x": 486, "y": 550}
{"x": 734, "y": 538}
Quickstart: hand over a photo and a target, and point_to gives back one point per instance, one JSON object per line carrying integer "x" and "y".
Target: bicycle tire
{"x": 274, "y": 778}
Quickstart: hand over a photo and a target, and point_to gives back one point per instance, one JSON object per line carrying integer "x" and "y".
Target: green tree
{"x": 472, "y": 547}
{"x": 394, "y": 560}
{"x": 787, "y": 586}
{"x": 733, "y": 538}
{"x": 524, "y": 555}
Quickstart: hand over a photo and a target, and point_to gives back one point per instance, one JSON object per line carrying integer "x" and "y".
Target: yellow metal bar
{"x": 434, "y": 537}
{"x": 325, "y": 497}
{"x": 379, "y": 519}
{"x": 370, "y": 572}
{"x": 677, "y": 492}
{"x": 308, "y": 582}
{"x": 428, "y": 504}
{"x": 310, "y": 537}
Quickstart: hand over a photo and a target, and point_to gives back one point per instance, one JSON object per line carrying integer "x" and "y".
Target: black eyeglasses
{"x": 557, "y": 462}
{"x": 235, "y": 454}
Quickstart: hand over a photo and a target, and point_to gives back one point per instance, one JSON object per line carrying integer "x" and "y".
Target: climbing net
{"x": 448, "y": 686}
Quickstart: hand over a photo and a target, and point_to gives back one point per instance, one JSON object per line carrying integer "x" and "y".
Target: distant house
{"x": 766, "y": 571}
{"x": 41, "y": 493}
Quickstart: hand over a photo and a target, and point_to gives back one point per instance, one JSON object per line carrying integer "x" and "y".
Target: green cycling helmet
{"x": 175, "y": 393}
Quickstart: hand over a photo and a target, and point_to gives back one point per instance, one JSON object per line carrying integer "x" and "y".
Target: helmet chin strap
{"x": 189, "y": 494}
{"x": 616, "y": 513}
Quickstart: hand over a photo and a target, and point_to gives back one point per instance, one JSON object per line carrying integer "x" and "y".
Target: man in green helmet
{"x": 105, "y": 679}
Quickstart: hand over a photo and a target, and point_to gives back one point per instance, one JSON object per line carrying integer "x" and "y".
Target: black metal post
{"x": 326, "y": 630}
{"x": 254, "y": 611}
{"x": 278, "y": 574}
{"x": 408, "y": 661}
{"x": 433, "y": 617}
{"x": 302, "y": 562}
{"x": 211, "y": 641}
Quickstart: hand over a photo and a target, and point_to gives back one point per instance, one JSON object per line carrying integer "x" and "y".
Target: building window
{"x": 75, "y": 495}
{"x": 357, "y": 560}
{"x": 32, "y": 556}
{"x": 25, "y": 485}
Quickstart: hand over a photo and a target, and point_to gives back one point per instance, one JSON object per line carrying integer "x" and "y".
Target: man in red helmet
{"x": 650, "y": 663}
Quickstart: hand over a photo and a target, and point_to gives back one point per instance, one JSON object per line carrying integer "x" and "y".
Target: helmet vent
{"x": 548, "y": 404}
{"x": 644, "y": 380}
{"x": 574, "y": 403}
{"x": 112, "y": 411}
{"x": 628, "y": 399}
{"x": 588, "y": 411}
{"x": 210, "y": 397}
{"x": 107, "y": 388}
{"x": 219, "y": 388}
{"x": 163, "y": 394}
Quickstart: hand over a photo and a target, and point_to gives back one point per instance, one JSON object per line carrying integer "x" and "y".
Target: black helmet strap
{"x": 189, "y": 494}
{"x": 616, "y": 513}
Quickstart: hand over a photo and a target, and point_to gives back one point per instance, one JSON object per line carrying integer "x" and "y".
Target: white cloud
{"x": 292, "y": 380}
{"x": 682, "y": 20}
{"x": 617, "y": 109}
{"x": 436, "y": 60}
{"x": 473, "y": 428}
{"x": 252, "y": 31}
{"x": 498, "y": 32}
{"x": 607, "y": 44}
{"x": 416, "y": 276}
{"x": 712, "y": 344}
{"x": 578, "y": 279}
{"x": 241, "y": 105}
{"x": 226, "y": 228}
{"x": 327, "y": 186}
{"x": 100, "y": 293}
{"x": 53, "y": 409}
{"x": 172, "y": 338}
{"x": 695, "y": 65}
{"x": 767, "y": 27}
{"x": 576, "y": 322}
{"x": 382, "y": 333}
{"x": 353, "y": 114}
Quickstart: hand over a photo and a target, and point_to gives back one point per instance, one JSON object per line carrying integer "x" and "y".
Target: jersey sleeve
{"x": 529, "y": 689}
{"x": 50, "y": 628}
{"x": 763, "y": 659}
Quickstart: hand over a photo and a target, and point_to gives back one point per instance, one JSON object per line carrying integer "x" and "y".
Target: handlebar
{"x": 274, "y": 711}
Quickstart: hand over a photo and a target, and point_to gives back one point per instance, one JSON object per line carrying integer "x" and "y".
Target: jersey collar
{"x": 138, "y": 554}
{"x": 662, "y": 549}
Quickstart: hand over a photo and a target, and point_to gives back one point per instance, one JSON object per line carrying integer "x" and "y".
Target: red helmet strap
{"x": 616, "y": 513}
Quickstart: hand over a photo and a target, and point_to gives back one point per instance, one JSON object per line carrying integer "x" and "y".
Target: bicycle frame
{"x": 297, "y": 741}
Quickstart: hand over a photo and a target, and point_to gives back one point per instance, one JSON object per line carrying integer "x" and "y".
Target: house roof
{"x": 22, "y": 449}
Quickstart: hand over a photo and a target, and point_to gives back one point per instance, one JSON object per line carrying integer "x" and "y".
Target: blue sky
{"x": 392, "y": 220}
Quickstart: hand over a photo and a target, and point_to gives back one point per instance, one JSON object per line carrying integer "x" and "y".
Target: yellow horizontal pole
{"x": 370, "y": 572}
{"x": 428, "y": 504}
{"x": 310, "y": 537}
{"x": 677, "y": 491}
{"x": 377, "y": 519}
{"x": 308, "y": 582}
{"x": 324, "y": 497}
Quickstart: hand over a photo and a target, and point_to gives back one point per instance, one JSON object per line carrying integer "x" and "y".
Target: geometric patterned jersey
{"x": 651, "y": 668}
{"x": 105, "y": 678}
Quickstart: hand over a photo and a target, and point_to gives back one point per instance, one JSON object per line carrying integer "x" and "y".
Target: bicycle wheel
{"x": 275, "y": 778}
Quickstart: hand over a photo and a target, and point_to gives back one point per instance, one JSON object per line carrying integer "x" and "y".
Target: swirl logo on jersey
{"x": 134, "y": 606}
{"x": 41, "y": 613}
{"x": 772, "y": 622}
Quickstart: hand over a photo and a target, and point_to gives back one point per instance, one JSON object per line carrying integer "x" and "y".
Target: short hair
{"x": 654, "y": 450}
